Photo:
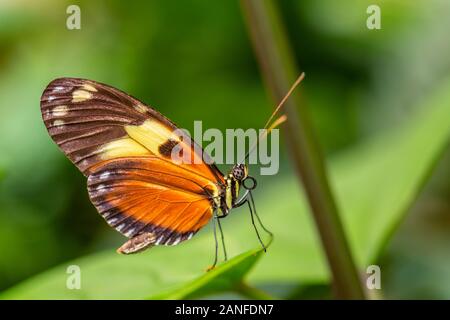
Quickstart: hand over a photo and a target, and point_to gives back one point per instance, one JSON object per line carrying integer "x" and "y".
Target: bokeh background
{"x": 193, "y": 61}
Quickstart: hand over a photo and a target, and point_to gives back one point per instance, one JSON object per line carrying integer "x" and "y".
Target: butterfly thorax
{"x": 229, "y": 195}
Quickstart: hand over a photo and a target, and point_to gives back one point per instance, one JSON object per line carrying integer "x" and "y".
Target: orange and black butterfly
{"x": 124, "y": 149}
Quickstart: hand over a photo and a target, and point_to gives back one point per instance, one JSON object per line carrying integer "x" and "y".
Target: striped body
{"x": 229, "y": 195}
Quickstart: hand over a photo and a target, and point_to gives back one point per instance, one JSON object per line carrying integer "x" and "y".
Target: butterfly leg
{"x": 248, "y": 198}
{"x": 223, "y": 240}
{"x": 257, "y": 216}
{"x": 254, "y": 226}
{"x": 242, "y": 200}
{"x": 251, "y": 205}
{"x": 215, "y": 241}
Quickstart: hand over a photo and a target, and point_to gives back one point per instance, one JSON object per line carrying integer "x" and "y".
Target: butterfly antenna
{"x": 278, "y": 121}
{"x": 275, "y": 124}
{"x": 281, "y": 104}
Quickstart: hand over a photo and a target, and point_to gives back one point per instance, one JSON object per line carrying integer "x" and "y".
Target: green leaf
{"x": 225, "y": 277}
{"x": 375, "y": 184}
{"x": 162, "y": 272}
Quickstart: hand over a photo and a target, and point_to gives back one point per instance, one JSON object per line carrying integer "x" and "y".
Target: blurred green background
{"x": 192, "y": 60}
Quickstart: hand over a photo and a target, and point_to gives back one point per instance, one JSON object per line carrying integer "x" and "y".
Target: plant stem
{"x": 279, "y": 71}
{"x": 252, "y": 292}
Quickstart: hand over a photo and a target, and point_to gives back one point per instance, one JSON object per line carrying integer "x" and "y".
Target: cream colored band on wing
{"x": 124, "y": 147}
{"x": 83, "y": 94}
{"x": 151, "y": 134}
{"x": 144, "y": 139}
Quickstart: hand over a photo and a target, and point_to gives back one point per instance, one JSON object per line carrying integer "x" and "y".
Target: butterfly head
{"x": 240, "y": 172}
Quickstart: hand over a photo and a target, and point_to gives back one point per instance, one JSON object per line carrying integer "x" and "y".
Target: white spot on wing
{"x": 113, "y": 220}
{"x": 105, "y": 175}
{"x": 190, "y": 236}
{"x": 58, "y": 88}
{"x": 60, "y": 111}
{"x": 121, "y": 226}
{"x": 58, "y": 123}
{"x": 129, "y": 232}
{"x": 159, "y": 240}
{"x": 177, "y": 241}
{"x": 50, "y": 98}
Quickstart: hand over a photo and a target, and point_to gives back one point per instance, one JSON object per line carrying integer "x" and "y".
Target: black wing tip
{"x": 60, "y": 87}
{"x": 67, "y": 82}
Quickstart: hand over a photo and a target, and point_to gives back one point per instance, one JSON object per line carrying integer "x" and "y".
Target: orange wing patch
{"x": 152, "y": 195}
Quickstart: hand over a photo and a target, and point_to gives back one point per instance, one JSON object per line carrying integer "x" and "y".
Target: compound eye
{"x": 238, "y": 173}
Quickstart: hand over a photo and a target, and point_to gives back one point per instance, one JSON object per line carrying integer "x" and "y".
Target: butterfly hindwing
{"x": 151, "y": 195}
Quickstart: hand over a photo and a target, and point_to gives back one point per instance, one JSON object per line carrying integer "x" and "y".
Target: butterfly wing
{"x": 125, "y": 149}
{"x": 93, "y": 122}
{"x": 151, "y": 195}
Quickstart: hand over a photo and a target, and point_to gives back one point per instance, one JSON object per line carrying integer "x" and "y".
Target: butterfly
{"x": 125, "y": 149}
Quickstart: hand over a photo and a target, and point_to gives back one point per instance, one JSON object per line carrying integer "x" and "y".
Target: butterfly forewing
{"x": 82, "y": 116}
{"x": 125, "y": 147}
